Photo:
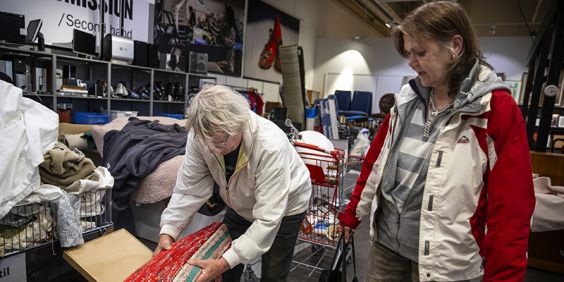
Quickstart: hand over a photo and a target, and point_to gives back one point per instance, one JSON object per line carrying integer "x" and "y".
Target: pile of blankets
{"x": 133, "y": 153}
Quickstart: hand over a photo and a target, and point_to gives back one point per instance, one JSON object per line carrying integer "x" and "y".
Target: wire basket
{"x": 34, "y": 225}
{"x": 319, "y": 225}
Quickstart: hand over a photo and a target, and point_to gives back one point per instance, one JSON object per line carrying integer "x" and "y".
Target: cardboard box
{"x": 112, "y": 257}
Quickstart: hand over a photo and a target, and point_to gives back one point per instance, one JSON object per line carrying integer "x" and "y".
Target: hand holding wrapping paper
{"x": 207, "y": 244}
{"x": 211, "y": 269}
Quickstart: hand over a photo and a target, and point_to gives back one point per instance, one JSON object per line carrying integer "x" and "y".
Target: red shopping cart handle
{"x": 310, "y": 146}
{"x": 337, "y": 153}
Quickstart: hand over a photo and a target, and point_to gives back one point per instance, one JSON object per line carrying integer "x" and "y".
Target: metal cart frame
{"x": 330, "y": 179}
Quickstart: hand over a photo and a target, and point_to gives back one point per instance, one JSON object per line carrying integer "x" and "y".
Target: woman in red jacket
{"x": 447, "y": 181}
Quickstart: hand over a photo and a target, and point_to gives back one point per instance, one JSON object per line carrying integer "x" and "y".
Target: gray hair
{"x": 217, "y": 109}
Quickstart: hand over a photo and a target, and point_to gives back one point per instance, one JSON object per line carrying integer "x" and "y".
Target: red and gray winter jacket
{"x": 478, "y": 197}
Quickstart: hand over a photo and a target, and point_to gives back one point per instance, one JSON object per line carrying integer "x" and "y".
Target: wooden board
{"x": 112, "y": 257}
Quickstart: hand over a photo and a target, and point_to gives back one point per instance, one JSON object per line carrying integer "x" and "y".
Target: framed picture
{"x": 515, "y": 88}
{"x": 213, "y": 27}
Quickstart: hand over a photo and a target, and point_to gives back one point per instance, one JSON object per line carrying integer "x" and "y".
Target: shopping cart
{"x": 331, "y": 175}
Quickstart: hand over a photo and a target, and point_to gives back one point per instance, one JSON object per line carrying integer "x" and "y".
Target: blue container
{"x": 176, "y": 116}
{"x": 311, "y": 112}
{"x": 90, "y": 118}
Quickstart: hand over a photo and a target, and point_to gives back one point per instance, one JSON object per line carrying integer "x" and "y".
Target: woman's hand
{"x": 347, "y": 231}
{"x": 165, "y": 242}
{"x": 211, "y": 269}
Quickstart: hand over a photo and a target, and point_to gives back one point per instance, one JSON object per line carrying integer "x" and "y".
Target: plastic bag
{"x": 361, "y": 144}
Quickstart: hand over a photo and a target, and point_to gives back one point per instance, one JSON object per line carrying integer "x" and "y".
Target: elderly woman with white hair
{"x": 261, "y": 178}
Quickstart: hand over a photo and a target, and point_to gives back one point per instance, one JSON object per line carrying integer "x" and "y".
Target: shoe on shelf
{"x": 121, "y": 90}
{"x": 134, "y": 95}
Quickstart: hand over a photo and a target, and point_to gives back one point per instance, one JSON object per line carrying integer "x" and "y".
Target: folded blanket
{"x": 63, "y": 166}
{"x": 172, "y": 265}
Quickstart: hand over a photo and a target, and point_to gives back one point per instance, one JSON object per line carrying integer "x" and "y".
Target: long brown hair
{"x": 441, "y": 21}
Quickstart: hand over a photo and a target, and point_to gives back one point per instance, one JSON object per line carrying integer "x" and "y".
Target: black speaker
{"x": 18, "y": 65}
{"x": 140, "y": 53}
{"x": 19, "y": 72}
{"x": 152, "y": 55}
{"x": 198, "y": 62}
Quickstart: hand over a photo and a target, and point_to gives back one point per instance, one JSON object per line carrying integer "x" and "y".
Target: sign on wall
{"x": 60, "y": 17}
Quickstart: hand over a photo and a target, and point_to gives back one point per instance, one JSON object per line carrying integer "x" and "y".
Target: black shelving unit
{"x": 170, "y": 98}
{"x": 547, "y": 53}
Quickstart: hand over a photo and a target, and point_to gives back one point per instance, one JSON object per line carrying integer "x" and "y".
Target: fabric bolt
{"x": 133, "y": 153}
{"x": 32, "y": 129}
{"x": 213, "y": 248}
{"x": 80, "y": 141}
{"x": 171, "y": 265}
{"x": 63, "y": 166}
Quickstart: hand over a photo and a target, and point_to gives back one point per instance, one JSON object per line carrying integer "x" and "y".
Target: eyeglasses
{"x": 218, "y": 145}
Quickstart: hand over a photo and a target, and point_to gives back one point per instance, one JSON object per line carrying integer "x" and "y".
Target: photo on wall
{"x": 212, "y": 27}
{"x": 267, "y": 29}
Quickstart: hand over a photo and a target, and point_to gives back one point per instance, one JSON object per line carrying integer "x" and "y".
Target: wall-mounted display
{"x": 267, "y": 29}
{"x": 213, "y": 27}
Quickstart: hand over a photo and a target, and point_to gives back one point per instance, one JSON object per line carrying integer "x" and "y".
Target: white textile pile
{"x": 549, "y": 208}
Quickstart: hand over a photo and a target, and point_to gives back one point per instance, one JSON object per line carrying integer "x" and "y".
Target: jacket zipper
{"x": 235, "y": 173}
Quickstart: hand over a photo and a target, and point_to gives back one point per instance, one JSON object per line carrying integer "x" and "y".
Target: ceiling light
{"x": 391, "y": 24}
{"x": 356, "y": 38}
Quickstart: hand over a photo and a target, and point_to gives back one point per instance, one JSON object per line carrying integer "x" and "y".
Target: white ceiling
{"x": 367, "y": 18}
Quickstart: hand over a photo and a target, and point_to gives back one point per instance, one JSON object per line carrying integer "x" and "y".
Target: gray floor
{"x": 322, "y": 258}
{"x": 362, "y": 247}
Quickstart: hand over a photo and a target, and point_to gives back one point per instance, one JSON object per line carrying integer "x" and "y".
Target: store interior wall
{"x": 377, "y": 57}
{"x": 310, "y": 19}
{"x": 369, "y": 55}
